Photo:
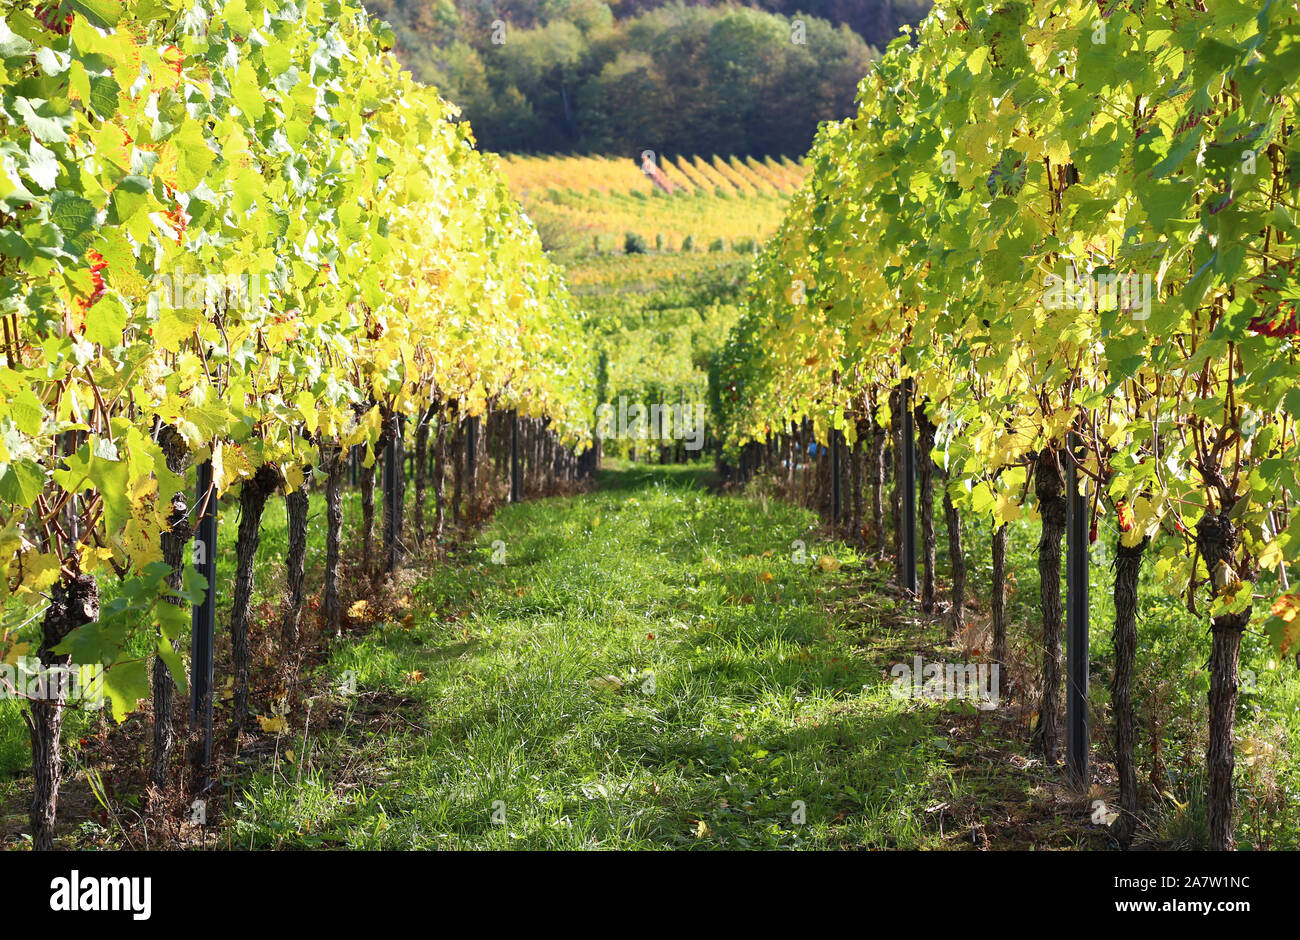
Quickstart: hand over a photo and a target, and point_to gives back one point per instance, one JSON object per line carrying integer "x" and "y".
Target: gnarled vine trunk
{"x": 925, "y": 507}
{"x": 958, "y": 562}
{"x": 333, "y": 460}
{"x": 855, "y": 483}
{"x": 1216, "y": 537}
{"x": 296, "y": 503}
{"x": 998, "y": 601}
{"x": 253, "y": 495}
{"x": 390, "y": 444}
{"x": 1128, "y": 566}
{"x": 473, "y": 444}
{"x": 876, "y": 471}
{"x": 368, "y": 513}
{"x": 73, "y": 602}
{"x": 440, "y": 478}
{"x": 173, "y": 543}
{"x": 421, "y": 464}
{"x": 457, "y": 470}
{"x": 1050, "y": 490}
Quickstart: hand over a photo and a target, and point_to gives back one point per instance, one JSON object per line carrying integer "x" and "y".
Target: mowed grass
{"x": 656, "y": 666}
{"x": 652, "y": 666}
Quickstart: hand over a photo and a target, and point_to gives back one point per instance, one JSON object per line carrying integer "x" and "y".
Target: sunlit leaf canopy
{"x": 241, "y": 220}
{"x": 1059, "y": 216}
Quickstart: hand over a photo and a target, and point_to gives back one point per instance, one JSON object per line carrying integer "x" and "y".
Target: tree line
{"x": 570, "y": 76}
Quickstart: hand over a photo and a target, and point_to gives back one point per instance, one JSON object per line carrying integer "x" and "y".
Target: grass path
{"x": 650, "y": 667}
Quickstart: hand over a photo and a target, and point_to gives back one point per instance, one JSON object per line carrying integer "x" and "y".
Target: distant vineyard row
{"x": 608, "y": 204}
{"x": 732, "y": 176}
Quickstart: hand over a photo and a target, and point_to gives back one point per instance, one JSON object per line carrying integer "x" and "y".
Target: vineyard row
{"x": 1071, "y": 229}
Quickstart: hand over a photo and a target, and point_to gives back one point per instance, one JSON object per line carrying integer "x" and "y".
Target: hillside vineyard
{"x": 363, "y": 489}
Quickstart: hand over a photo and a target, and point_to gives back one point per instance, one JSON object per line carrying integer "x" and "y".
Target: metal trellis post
{"x": 204, "y": 617}
{"x": 1076, "y": 623}
{"x": 516, "y": 484}
{"x": 908, "y": 443}
{"x": 837, "y": 470}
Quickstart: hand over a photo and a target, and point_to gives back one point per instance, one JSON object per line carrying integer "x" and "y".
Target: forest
{"x": 584, "y": 76}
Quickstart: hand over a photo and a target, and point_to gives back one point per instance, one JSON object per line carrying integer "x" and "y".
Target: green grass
{"x": 628, "y": 679}
{"x": 522, "y": 691}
